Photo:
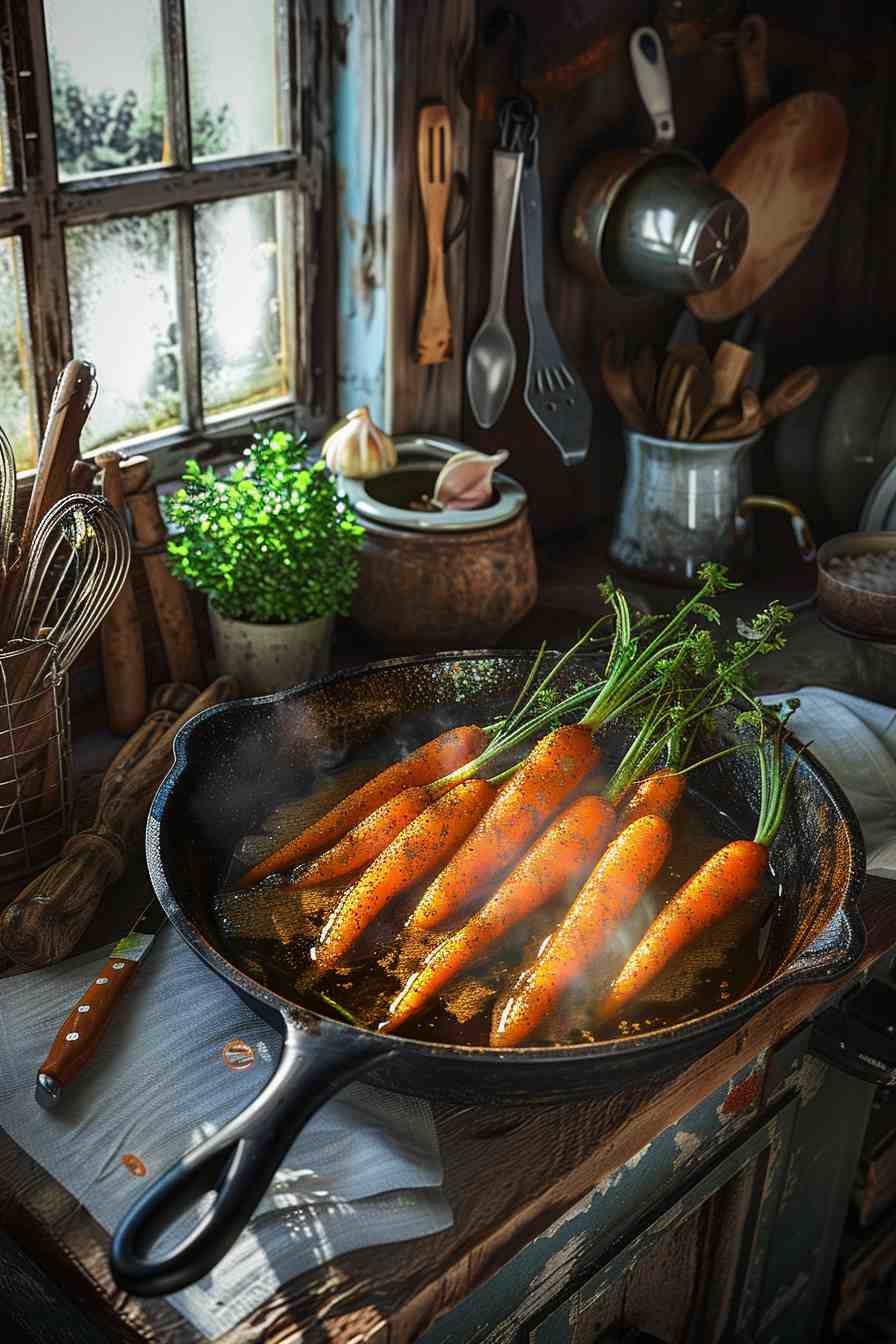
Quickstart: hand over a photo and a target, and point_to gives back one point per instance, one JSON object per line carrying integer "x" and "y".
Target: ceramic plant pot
{"x": 266, "y": 658}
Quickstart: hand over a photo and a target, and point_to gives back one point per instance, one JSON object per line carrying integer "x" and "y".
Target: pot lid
{"x": 879, "y": 511}
{"x": 421, "y": 453}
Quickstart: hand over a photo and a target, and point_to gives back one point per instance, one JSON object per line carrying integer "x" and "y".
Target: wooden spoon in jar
{"x": 730, "y": 366}
{"x": 789, "y": 394}
{"x": 740, "y": 424}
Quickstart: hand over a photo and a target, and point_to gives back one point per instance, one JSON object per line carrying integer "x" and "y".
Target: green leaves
{"x": 273, "y": 541}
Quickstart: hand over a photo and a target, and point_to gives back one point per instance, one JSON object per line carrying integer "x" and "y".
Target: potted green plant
{"x": 273, "y": 544}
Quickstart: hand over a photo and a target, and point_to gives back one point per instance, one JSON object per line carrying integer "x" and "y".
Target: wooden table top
{"x": 509, "y": 1173}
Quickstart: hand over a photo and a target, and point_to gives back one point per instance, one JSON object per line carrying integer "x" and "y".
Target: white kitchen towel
{"x": 365, "y": 1171}
{"x": 856, "y": 740}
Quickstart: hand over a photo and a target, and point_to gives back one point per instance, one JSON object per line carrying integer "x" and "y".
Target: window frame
{"x": 37, "y": 207}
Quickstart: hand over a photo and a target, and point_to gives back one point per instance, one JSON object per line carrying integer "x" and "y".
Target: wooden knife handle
{"x": 434, "y": 344}
{"x": 79, "y": 1035}
{"x": 121, "y": 637}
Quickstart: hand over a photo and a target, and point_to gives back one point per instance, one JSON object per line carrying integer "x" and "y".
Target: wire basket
{"x": 36, "y": 799}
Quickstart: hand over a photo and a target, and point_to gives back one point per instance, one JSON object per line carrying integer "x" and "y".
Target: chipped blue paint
{"x": 362, "y": 146}
{"x": 534, "y": 1278}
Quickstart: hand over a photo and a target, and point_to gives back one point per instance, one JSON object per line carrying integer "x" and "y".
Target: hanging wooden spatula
{"x": 434, "y": 342}
{"x": 730, "y": 366}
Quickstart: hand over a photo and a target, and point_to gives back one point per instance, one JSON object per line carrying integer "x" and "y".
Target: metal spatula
{"x": 554, "y": 393}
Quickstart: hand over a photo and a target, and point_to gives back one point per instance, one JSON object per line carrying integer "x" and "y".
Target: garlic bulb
{"x": 357, "y": 448}
{"x": 465, "y": 481}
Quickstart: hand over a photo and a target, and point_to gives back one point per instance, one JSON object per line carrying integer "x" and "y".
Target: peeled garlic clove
{"x": 465, "y": 481}
{"x": 357, "y": 448}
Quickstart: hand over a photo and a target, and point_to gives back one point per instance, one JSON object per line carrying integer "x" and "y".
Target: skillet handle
{"x": 237, "y": 1164}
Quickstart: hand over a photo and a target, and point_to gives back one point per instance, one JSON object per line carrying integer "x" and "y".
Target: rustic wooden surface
{"x": 509, "y": 1174}
{"x": 431, "y": 47}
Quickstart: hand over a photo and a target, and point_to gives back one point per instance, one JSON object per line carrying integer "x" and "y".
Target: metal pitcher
{"x": 683, "y": 503}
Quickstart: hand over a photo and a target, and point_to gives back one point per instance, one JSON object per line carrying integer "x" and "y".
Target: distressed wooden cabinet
{"x": 725, "y": 1227}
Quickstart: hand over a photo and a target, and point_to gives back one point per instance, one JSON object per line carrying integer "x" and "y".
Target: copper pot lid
{"x": 419, "y": 456}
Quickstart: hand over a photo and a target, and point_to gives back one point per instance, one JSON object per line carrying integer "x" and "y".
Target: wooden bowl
{"x": 851, "y": 609}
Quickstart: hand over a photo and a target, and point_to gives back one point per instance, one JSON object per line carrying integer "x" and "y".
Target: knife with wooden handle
{"x": 78, "y": 1037}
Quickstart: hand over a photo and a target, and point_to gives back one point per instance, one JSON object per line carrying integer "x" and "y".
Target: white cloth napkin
{"x": 365, "y": 1171}
{"x": 856, "y": 740}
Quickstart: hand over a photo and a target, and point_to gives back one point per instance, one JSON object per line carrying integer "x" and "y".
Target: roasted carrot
{"x": 622, "y": 875}
{"x": 656, "y": 796}
{"x": 727, "y": 879}
{"x": 443, "y": 754}
{"x": 559, "y": 859}
{"x": 425, "y": 843}
{"x": 550, "y": 772}
{"x": 363, "y": 842}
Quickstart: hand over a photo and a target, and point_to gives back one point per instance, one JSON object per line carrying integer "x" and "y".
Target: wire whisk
{"x": 73, "y": 571}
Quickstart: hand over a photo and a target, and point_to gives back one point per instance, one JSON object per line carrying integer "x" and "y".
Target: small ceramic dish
{"x": 847, "y": 606}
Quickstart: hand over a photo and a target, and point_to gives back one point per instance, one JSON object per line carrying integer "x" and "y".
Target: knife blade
{"x": 81, "y": 1031}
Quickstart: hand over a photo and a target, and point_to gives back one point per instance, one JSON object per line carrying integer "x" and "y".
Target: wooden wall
{"x": 837, "y": 302}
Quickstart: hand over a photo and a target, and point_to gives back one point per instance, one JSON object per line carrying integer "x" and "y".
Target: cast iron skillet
{"x": 236, "y": 762}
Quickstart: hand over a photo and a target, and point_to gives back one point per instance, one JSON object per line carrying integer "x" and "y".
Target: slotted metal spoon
{"x": 554, "y": 394}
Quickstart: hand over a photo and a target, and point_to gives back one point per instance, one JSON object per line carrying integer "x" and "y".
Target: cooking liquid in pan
{"x": 269, "y": 933}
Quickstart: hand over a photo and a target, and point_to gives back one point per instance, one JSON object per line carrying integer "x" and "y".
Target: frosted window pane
{"x": 17, "y": 410}
{"x": 108, "y": 79}
{"x": 243, "y": 313}
{"x": 122, "y": 286}
{"x": 235, "y": 83}
{"x": 6, "y": 179}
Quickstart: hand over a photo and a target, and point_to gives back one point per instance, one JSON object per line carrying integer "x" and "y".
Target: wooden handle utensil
{"x": 169, "y": 597}
{"x": 737, "y": 424}
{"x": 44, "y": 923}
{"x": 790, "y": 393}
{"x": 81, "y": 1032}
{"x": 121, "y": 636}
{"x": 72, "y": 400}
{"x": 434, "y": 343}
{"x": 730, "y": 366}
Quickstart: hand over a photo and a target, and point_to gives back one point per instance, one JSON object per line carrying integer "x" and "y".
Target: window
{"x": 158, "y": 192}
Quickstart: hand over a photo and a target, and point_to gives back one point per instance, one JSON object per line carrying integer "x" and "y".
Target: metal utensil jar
{"x": 684, "y": 503}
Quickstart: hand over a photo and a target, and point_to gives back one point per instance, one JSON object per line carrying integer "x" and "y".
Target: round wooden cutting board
{"x": 785, "y": 169}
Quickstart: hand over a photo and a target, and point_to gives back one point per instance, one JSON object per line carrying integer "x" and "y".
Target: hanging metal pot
{"x": 638, "y": 220}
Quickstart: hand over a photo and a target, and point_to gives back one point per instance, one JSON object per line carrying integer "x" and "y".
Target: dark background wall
{"x": 836, "y": 303}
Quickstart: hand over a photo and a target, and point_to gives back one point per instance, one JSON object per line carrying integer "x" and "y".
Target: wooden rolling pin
{"x": 121, "y": 637}
{"x": 44, "y": 923}
{"x": 169, "y": 597}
